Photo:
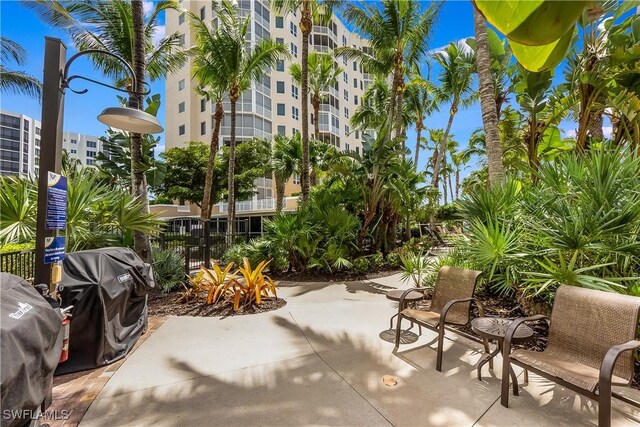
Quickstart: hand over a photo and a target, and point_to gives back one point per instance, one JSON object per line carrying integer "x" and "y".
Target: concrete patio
{"x": 320, "y": 361}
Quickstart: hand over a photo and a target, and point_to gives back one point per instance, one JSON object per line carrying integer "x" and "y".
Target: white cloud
{"x": 569, "y": 133}
{"x": 158, "y": 34}
{"x": 607, "y": 131}
{"x": 148, "y": 6}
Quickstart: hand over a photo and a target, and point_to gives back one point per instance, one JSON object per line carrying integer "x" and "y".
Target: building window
{"x": 355, "y": 99}
{"x": 344, "y": 41}
{"x": 344, "y": 60}
{"x": 345, "y": 77}
{"x": 295, "y": 113}
{"x": 279, "y": 22}
{"x": 181, "y": 107}
{"x": 293, "y": 29}
{"x": 355, "y": 83}
{"x": 295, "y": 131}
{"x": 357, "y": 135}
{"x": 91, "y": 153}
{"x": 346, "y": 94}
{"x": 92, "y": 144}
{"x": 181, "y": 84}
{"x": 91, "y": 162}
{"x": 346, "y": 112}
{"x": 282, "y": 130}
{"x": 279, "y": 40}
{"x": 181, "y": 19}
{"x": 280, "y": 87}
{"x": 355, "y": 66}
{"x": 202, "y": 13}
{"x": 280, "y": 65}
{"x": 74, "y": 141}
{"x": 181, "y": 130}
{"x": 347, "y": 146}
{"x": 294, "y": 50}
{"x": 203, "y": 128}
{"x": 203, "y": 105}
{"x": 357, "y": 150}
{"x": 361, "y": 85}
{"x": 296, "y": 179}
{"x": 280, "y": 109}
{"x": 181, "y": 40}
{"x": 294, "y": 91}
{"x": 37, "y": 131}
{"x": 73, "y": 151}
{"x": 346, "y": 130}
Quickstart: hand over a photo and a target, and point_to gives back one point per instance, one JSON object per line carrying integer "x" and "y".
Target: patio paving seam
{"x": 338, "y": 373}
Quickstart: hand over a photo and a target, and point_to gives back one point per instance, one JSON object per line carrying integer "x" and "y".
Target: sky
{"x": 20, "y": 24}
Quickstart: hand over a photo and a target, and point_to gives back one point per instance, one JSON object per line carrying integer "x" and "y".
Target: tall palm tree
{"x": 398, "y": 33}
{"x": 456, "y": 86}
{"x": 108, "y": 25}
{"x": 373, "y": 111}
{"x": 17, "y": 82}
{"x": 320, "y": 11}
{"x": 420, "y": 102}
{"x": 242, "y": 67}
{"x": 487, "y": 99}
{"x": 322, "y": 75}
{"x": 213, "y": 86}
{"x": 286, "y": 160}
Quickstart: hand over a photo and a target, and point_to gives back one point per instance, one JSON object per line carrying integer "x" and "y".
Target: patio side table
{"x": 495, "y": 328}
{"x": 395, "y": 295}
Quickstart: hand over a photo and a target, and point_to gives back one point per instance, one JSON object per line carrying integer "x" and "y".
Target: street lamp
{"x": 55, "y": 81}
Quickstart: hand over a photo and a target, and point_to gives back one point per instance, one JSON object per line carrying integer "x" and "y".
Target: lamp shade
{"x": 130, "y": 120}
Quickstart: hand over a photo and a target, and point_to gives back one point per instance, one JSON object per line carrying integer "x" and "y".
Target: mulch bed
{"x": 508, "y": 307}
{"x": 166, "y": 304}
{"x": 338, "y": 276}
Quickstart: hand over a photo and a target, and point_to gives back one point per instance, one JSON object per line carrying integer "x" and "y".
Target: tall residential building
{"x": 20, "y": 145}
{"x": 271, "y": 106}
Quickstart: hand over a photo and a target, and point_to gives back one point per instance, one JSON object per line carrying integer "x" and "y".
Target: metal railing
{"x": 251, "y": 205}
{"x": 19, "y": 263}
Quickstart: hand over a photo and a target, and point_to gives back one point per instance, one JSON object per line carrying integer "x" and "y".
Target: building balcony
{"x": 259, "y": 205}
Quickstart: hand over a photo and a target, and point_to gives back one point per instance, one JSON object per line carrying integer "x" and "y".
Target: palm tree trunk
{"x": 487, "y": 100}
{"x": 450, "y": 186}
{"x": 231, "y": 214}
{"x": 205, "y": 214}
{"x": 457, "y": 183}
{"x": 138, "y": 178}
{"x": 444, "y": 189}
{"x": 418, "y": 137}
{"x": 316, "y": 114}
{"x": 397, "y": 71}
{"x": 280, "y": 186}
{"x": 443, "y": 146}
{"x": 399, "y": 109}
{"x": 306, "y": 24}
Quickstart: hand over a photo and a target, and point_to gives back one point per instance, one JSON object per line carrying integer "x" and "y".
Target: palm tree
{"x": 108, "y": 25}
{"x": 398, "y": 33}
{"x": 487, "y": 99}
{"x": 456, "y": 78}
{"x": 17, "y": 82}
{"x": 322, "y": 75}
{"x": 213, "y": 87}
{"x": 320, "y": 11}
{"x": 286, "y": 160}
{"x": 373, "y": 111}
{"x": 242, "y": 67}
{"x": 420, "y": 103}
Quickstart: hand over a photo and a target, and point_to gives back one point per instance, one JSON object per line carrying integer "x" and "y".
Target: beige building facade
{"x": 271, "y": 106}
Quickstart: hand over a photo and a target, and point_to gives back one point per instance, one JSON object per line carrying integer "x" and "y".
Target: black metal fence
{"x": 20, "y": 263}
{"x": 193, "y": 242}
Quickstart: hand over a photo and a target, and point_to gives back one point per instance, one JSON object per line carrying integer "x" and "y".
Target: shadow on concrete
{"x": 353, "y": 287}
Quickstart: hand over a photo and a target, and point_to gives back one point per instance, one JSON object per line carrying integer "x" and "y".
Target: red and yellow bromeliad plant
{"x": 244, "y": 286}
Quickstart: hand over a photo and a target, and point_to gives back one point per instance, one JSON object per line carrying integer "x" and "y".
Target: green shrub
{"x": 17, "y": 247}
{"x": 256, "y": 251}
{"x": 168, "y": 268}
{"x": 360, "y": 265}
{"x": 376, "y": 261}
{"x": 415, "y": 266}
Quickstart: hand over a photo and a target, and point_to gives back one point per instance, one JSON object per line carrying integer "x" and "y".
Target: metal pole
{"x": 55, "y": 54}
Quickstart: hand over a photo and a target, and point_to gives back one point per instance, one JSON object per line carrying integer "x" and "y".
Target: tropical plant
{"x": 18, "y": 201}
{"x": 456, "y": 86}
{"x": 311, "y": 12}
{"x": 414, "y": 267}
{"x": 17, "y": 82}
{"x": 168, "y": 269}
{"x": 420, "y": 103}
{"x": 322, "y": 76}
{"x": 286, "y": 160}
{"x": 398, "y": 34}
{"x": 257, "y": 250}
{"x": 242, "y": 67}
{"x": 213, "y": 86}
{"x": 255, "y": 285}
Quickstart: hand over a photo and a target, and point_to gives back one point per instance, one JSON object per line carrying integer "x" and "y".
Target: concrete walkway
{"x": 320, "y": 361}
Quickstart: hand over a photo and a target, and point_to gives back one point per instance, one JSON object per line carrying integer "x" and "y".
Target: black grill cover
{"x": 30, "y": 345}
{"x": 108, "y": 290}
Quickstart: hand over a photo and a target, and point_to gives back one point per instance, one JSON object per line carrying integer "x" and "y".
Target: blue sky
{"x": 23, "y": 26}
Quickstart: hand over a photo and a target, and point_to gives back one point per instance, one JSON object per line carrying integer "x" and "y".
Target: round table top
{"x": 495, "y": 328}
{"x": 411, "y": 296}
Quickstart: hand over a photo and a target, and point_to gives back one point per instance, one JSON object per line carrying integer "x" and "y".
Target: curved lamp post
{"x": 54, "y": 84}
